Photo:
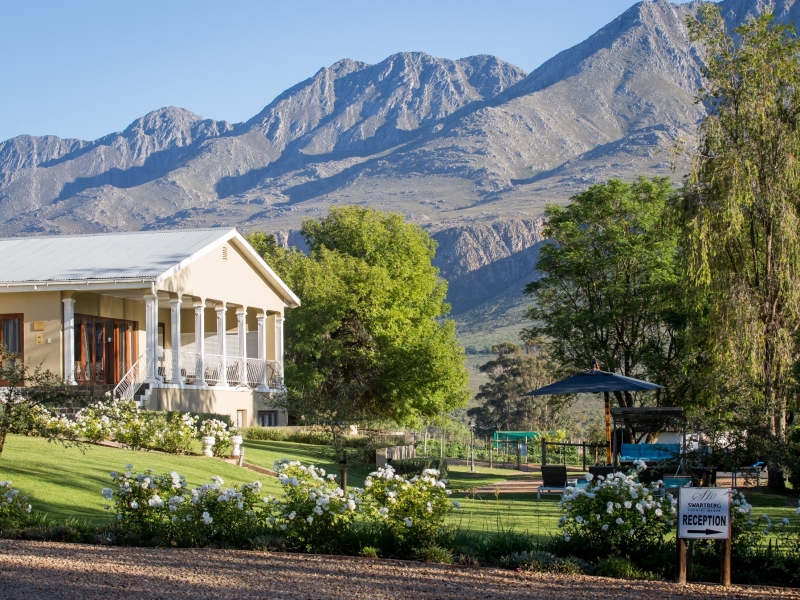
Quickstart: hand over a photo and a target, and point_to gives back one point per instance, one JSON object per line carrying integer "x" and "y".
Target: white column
{"x": 199, "y": 342}
{"x": 262, "y": 322}
{"x": 175, "y": 325}
{"x": 151, "y": 334}
{"x": 69, "y": 340}
{"x": 279, "y": 343}
{"x": 241, "y": 326}
{"x": 262, "y": 333}
{"x": 223, "y": 375}
{"x": 241, "y": 329}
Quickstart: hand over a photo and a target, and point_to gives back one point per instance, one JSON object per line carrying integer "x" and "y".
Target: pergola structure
{"x": 593, "y": 381}
{"x": 642, "y": 419}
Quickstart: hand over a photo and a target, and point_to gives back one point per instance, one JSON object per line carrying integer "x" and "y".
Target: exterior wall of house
{"x": 233, "y": 281}
{"x": 38, "y": 306}
{"x": 225, "y": 402}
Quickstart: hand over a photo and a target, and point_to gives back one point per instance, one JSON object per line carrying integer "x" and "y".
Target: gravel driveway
{"x": 33, "y": 571}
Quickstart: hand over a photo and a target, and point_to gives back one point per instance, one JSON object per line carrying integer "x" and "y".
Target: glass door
{"x": 125, "y": 347}
{"x": 90, "y": 350}
{"x": 11, "y": 340}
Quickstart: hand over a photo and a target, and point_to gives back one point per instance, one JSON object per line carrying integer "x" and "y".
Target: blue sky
{"x": 84, "y": 69}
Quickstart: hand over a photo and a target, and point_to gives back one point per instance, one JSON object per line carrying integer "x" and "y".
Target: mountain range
{"x": 472, "y": 149}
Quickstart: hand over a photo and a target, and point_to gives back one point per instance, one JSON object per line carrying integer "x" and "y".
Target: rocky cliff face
{"x": 471, "y": 148}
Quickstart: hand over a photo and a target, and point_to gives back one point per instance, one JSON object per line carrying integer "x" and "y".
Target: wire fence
{"x": 514, "y": 453}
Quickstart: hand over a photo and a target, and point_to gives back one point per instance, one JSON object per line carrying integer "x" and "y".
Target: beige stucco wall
{"x": 233, "y": 282}
{"x": 225, "y": 402}
{"x": 38, "y": 306}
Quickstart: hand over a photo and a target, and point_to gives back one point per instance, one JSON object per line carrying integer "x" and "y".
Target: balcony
{"x": 196, "y": 369}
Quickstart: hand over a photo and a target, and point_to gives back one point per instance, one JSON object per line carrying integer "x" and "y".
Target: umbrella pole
{"x": 608, "y": 428}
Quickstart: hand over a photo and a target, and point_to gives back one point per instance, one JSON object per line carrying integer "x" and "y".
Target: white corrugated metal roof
{"x": 134, "y": 255}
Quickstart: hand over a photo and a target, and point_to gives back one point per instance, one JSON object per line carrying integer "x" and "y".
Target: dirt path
{"x": 34, "y": 571}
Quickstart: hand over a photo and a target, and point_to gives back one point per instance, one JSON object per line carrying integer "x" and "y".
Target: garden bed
{"x": 31, "y": 570}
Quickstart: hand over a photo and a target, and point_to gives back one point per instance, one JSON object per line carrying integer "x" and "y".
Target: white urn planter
{"x": 236, "y": 440}
{"x": 208, "y": 443}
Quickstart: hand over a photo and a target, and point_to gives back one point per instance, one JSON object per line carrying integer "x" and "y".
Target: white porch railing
{"x": 130, "y": 382}
{"x": 238, "y": 371}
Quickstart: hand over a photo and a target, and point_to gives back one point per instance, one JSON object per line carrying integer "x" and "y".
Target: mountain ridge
{"x": 472, "y": 149}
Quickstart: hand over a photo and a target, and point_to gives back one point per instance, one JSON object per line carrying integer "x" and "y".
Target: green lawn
{"x": 520, "y": 512}
{"x": 66, "y": 482}
{"x": 460, "y": 477}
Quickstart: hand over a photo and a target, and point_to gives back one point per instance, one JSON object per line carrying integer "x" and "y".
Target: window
{"x": 268, "y": 418}
{"x": 11, "y": 335}
{"x": 241, "y": 418}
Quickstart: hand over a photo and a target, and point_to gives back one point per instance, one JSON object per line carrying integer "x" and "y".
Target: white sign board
{"x": 704, "y": 513}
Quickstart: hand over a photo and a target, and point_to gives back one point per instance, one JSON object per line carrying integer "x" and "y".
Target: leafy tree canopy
{"x": 368, "y": 343}
{"x": 740, "y": 210}
{"x": 512, "y": 372}
{"x": 609, "y": 287}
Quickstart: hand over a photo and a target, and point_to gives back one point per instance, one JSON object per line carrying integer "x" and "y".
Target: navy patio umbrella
{"x": 594, "y": 381}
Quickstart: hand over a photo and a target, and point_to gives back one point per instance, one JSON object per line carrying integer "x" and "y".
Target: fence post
{"x": 544, "y": 452}
{"x": 491, "y": 446}
{"x": 584, "y": 456}
{"x": 518, "y": 456}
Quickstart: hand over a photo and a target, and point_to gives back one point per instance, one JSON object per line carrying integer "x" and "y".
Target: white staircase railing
{"x": 130, "y": 382}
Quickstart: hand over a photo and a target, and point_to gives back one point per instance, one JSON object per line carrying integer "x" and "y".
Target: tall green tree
{"x": 610, "y": 288}
{"x": 740, "y": 209}
{"x": 369, "y": 342}
{"x": 504, "y": 407}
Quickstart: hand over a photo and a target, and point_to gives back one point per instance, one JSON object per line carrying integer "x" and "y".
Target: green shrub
{"x": 616, "y": 515}
{"x": 415, "y": 466}
{"x": 221, "y": 433}
{"x": 265, "y": 434}
{"x": 14, "y": 508}
{"x": 409, "y": 512}
{"x": 177, "y": 433}
{"x": 434, "y": 554}
{"x": 313, "y": 514}
{"x": 137, "y": 430}
{"x": 544, "y": 562}
{"x": 160, "y": 510}
{"x": 621, "y": 568}
{"x": 368, "y": 552}
{"x": 203, "y": 417}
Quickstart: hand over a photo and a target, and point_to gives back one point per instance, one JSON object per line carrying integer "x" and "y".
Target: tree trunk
{"x": 2, "y": 441}
{"x": 775, "y": 479}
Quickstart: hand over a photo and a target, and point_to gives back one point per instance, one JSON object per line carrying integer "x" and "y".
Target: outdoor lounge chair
{"x": 554, "y": 480}
{"x": 649, "y": 452}
{"x": 604, "y": 470}
{"x": 754, "y": 469}
{"x": 649, "y": 476}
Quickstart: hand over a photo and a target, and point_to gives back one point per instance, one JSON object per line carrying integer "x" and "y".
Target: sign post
{"x": 704, "y": 514}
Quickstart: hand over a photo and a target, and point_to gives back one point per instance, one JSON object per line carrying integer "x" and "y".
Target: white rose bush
{"x": 161, "y": 510}
{"x": 409, "y": 512}
{"x": 177, "y": 435}
{"x": 616, "y": 515}
{"x": 314, "y": 513}
{"x": 14, "y": 508}
{"x": 124, "y": 422}
{"x": 221, "y": 433}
